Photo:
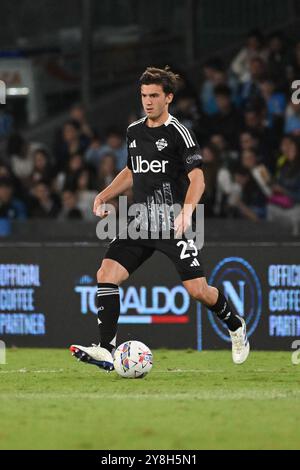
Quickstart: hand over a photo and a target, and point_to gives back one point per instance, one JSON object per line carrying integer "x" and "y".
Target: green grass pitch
{"x": 190, "y": 400}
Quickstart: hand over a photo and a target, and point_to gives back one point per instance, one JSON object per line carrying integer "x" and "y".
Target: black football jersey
{"x": 160, "y": 159}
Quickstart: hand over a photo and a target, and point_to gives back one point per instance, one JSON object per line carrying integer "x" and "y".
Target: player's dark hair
{"x": 164, "y": 77}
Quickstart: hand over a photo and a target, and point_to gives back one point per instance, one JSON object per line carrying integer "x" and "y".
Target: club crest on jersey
{"x": 161, "y": 144}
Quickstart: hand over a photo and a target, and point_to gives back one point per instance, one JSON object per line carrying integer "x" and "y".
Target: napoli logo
{"x": 240, "y": 284}
{"x": 161, "y": 144}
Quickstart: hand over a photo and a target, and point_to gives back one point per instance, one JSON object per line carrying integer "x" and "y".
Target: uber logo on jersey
{"x": 143, "y": 166}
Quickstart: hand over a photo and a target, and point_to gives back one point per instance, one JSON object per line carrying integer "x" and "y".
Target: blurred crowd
{"x": 249, "y": 130}
{"x": 61, "y": 182}
{"x": 241, "y": 112}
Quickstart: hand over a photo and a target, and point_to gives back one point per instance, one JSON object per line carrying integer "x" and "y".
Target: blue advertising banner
{"x": 47, "y": 298}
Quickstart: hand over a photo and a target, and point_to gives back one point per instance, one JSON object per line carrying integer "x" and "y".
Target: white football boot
{"x": 240, "y": 344}
{"x": 94, "y": 355}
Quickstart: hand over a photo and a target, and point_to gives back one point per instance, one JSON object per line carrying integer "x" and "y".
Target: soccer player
{"x": 164, "y": 167}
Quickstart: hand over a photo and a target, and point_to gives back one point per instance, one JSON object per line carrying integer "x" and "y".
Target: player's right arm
{"x": 119, "y": 185}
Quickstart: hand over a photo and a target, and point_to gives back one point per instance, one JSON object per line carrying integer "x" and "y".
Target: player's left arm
{"x": 194, "y": 193}
{"x": 189, "y": 151}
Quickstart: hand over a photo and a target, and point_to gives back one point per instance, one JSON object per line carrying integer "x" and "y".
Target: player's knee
{"x": 199, "y": 292}
{"x": 104, "y": 275}
{"x": 111, "y": 274}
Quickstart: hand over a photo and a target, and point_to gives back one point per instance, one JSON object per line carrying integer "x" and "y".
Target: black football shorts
{"x": 181, "y": 251}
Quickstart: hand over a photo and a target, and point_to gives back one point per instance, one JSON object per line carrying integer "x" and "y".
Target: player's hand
{"x": 182, "y": 223}
{"x": 99, "y": 207}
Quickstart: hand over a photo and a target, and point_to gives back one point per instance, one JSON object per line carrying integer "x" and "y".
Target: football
{"x": 133, "y": 360}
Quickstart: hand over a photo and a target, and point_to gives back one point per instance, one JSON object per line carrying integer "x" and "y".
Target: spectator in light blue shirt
{"x": 250, "y": 90}
{"x": 215, "y": 75}
{"x": 10, "y": 207}
{"x": 6, "y": 124}
{"x": 93, "y": 154}
{"x": 292, "y": 120}
{"x": 114, "y": 145}
{"x": 275, "y": 101}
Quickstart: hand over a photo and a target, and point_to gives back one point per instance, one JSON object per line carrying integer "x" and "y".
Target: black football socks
{"x": 225, "y": 314}
{"x": 108, "y": 304}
